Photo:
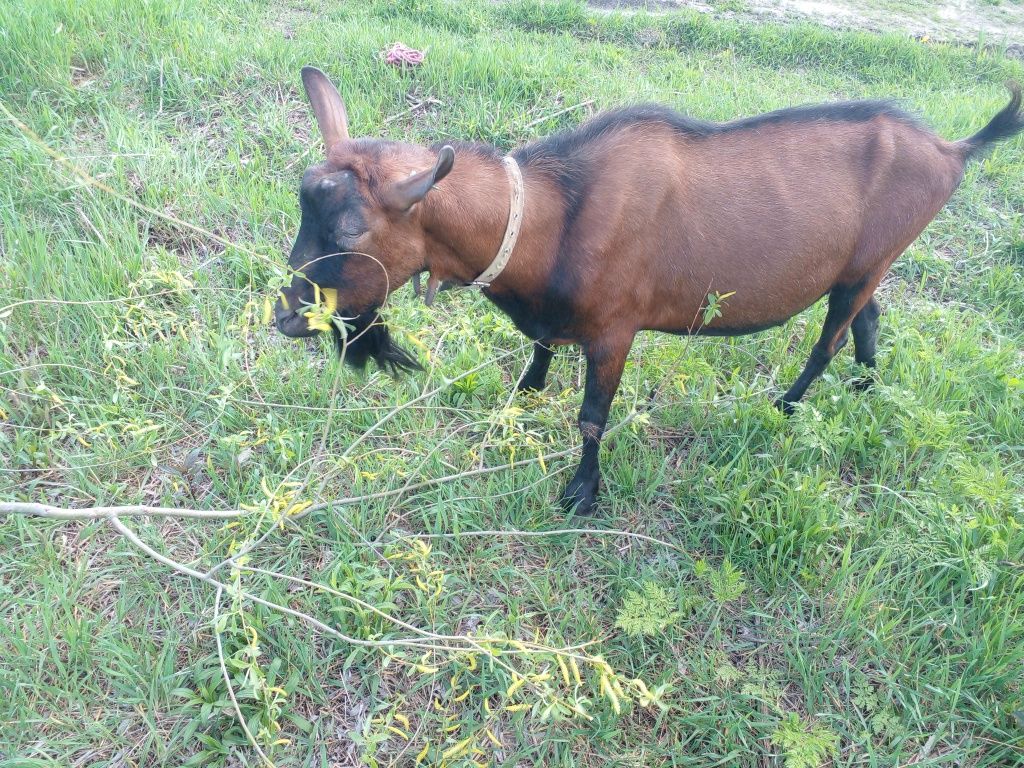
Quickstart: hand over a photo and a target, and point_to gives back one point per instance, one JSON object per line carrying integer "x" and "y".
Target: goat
{"x": 628, "y": 223}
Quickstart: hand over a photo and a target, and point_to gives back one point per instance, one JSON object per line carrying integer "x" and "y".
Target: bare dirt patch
{"x": 962, "y": 21}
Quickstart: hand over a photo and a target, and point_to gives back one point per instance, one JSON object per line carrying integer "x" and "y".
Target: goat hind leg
{"x": 865, "y": 339}
{"x": 843, "y": 305}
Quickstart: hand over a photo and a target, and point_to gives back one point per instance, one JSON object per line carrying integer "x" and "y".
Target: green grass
{"x": 845, "y": 586}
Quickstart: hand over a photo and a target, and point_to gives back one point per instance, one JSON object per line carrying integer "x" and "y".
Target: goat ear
{"x": 327, "y": 106}
{"x": 404, "y": 194}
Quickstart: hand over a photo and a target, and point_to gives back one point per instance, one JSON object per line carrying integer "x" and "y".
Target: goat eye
{"x": 348, "y": 228}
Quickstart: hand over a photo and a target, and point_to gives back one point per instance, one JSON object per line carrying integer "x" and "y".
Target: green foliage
{"x": 763, "y": 685}
{"x": 648, "y": 611}
{"x": 715, "y": 302}
{"x": 860, "y": 557}
{"x": 726, "y": 583}
{"x": 805, "y": 745}
{"x": 884, "y": 724}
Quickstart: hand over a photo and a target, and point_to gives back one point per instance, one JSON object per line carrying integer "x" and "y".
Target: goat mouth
{"x": 295, "y": 325}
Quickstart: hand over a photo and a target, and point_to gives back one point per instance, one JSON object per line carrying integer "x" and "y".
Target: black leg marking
{"x": 865, "y": 339}
{"x": 604, "y": 370}
{"x": 833, "y": 338}
{"x": 536, "y": 375}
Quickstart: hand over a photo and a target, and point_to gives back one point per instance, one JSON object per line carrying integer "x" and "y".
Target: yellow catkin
{"x": 462, "y": 696}
{"x": 575, "y": 671}
{"x": 493, "y": 738}
{"x": 616, "y": 706}
{"x": 515, "y": 687}
{"x": 517, "y": 707}
{"x": 457, "y": 749}
{"x": 422, "y": 754}
{"x": 609, "y": 692}
{"x": 564, "y": 669}
{"x": 618, "y": 688}
{"x": 398, "y": 732}
{"x": 402, "y": 719}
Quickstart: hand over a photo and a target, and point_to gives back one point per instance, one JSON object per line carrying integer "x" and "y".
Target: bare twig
{"x": 98, "y": 513}
{"x": 415, "y": 106}
{"x": 129, "y": 534}
{"x": 111, "y": 513}
{"x": 531, "y": 647}
{"x": 542, "y": 118}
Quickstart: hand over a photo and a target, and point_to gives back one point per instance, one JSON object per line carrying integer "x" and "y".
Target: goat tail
{"x": 1007, "y": 123}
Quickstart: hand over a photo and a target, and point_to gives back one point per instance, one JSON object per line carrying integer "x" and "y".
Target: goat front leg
{"x": 605, "y": 361}
{"x": 536, "y": 375}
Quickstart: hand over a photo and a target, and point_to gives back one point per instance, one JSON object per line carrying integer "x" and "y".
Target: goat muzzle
{"x": 292, "y": 322}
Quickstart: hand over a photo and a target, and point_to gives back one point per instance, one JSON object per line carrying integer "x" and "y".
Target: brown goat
{"x": 630, "y": 221}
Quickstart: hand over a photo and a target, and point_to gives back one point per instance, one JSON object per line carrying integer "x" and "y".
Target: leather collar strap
{"x": 515, "y": 218}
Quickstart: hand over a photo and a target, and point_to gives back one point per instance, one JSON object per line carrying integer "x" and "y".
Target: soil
{"x": 989, "y": 22}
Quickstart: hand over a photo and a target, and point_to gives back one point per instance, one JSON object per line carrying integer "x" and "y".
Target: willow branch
{"x": 129, "y": 534}
{"x": 33, "y": 509}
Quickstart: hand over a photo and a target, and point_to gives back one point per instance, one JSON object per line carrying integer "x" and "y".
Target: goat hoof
{"x": 578, "y": 497}
{"x": 864, "y": 383}
{"x": 531, "y": 385}
{"x": 786, "y": 406}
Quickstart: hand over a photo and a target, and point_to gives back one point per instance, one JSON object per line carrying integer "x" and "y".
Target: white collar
{"x": 515, "y": 217}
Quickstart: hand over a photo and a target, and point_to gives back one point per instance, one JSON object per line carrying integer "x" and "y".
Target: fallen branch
{"x": 33, "y": 509}
{"x": 422, "y": 644}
